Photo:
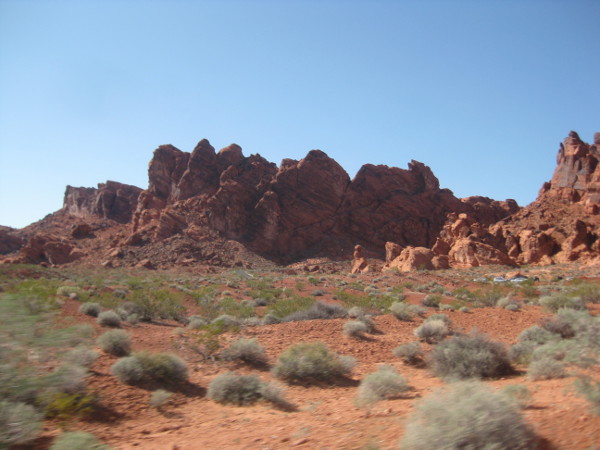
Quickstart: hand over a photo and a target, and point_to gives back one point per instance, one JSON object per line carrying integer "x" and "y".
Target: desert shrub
{"x": 355, "y": 328}
{"x": 536, "y": 334}
{"x": 159, "y": 398}
{"x": 383, "y": 384}
{"x": 78, "y": 440}
{"x": 469, "y": 356}
{"x": 367, "y": 320}
{"x": 588, "y": 293}
{"x": 312, "y": 361}
{"x": 411, "y": 353}
{"x": 527, "y": 341}
{"x": 196, "y": 322}
{"x": 402, "y": 311}
{"x": 561, "y": 300}
{"x": 274, "y": 393}
{"x": 546, "y": 369}
{"x": 368, "y": 303}
{"x": 318, "y": 310}
{"x": 152, "y": 304}
{"x": 91, "y": 309}
{"x": 285, "y": 306}
{"x": 467, "y": 415}
{"x": 590, "y": 390}
{"x": 558, "y": 325}
{"x": 81, "y": 356}
{"x": 245, "y": 350}
{"x": 115, "y": 342}
{"x": 226, "y": 321}
{"x": 235, "y": 389}
{"x": 109, "y": 319}
{"x": 19, "y": 423}
{"x": 356, "y": 312}
{"x": 150, "y": 367}
{"x": 512, "y": 307}
{"x": 518, "y": 393}
{"x": 431, "y": 300}
{"x": 66, "y": 406}
{"x": 464, "y": 309}
{"x": 270, "y": 319}
{"x": 443, "y": 317}
{"x": 488, "y": 297}
{"x": 67, "y": 378}
{"x": 445, "y": 307}
{"x": 432, "y": 331}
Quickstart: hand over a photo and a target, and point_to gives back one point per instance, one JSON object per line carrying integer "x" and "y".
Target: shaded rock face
{"x": 111, "y": 200}
{"x": 300, "y": 209}
{"x": 52, "y": 249}
{"x": 10, "y": 241}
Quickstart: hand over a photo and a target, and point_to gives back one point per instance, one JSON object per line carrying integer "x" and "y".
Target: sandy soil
{"x": 326, "y": 415}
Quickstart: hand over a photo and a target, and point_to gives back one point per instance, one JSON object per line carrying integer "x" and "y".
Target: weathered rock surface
{"x": 111, "y": 200}
{"x": 359, "y": 261}
{"x": 49, "y": 248}
{"x": 10, "y": 240}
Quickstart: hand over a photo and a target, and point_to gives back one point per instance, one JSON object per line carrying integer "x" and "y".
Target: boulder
{"x": 359, "y": 262}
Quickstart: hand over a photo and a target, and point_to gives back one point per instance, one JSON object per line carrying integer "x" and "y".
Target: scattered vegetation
{"x": 411, "y": 353}
{"x": 90, "y": 308}
{"x": 109, "y": 319}
{"x": 78, "y": 440}
{"x": 355, "y": 328}
{"x": 241, "y": 390}
{"x": 432, "y": 331}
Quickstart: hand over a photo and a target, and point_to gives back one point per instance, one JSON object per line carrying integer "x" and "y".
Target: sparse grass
{"x": 556, "y": 301}
{"x": 467, "y": 415}
{"x": 318, "y": 310}
{"x": 546, "y": 369}
{"x": 590, "y": 390}
{"x": 19, "y": 423}
{"x": 469, "y": 356}
{"x": 160, "y": 398}
{"x": 383, "y": 384}
{"x": 369, "y": 303}
{"x": 519, "y": 393}
{"x": 312, "y": 361}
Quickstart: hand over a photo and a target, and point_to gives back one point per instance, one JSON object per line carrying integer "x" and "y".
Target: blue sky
{"x": 481, "y": 91}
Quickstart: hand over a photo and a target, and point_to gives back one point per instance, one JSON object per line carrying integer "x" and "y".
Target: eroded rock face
{"x": 111, "y": 200}
{"x": 577, "y": 175}
{"x": 49, "y": 248}
{"x": 10, "y": 241}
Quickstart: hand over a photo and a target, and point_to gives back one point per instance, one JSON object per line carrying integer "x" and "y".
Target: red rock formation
{"x": 48, "y": 248}
{"x": 111, "y": 200}
{"x": 10, "y": 241}
{"x": 359, "y": 262}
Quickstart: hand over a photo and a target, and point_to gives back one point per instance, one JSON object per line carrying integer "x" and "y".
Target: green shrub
{"x": 518, "y": 393}
{"x": 318, "y": 310}
{"x": 312, "y": 361}
{"x": 245, "y": 350}
{"x": 81, "y": 356}
{"x": 150, "y": 367}
{"x": 560, "y": 300}
{"x": 432, "y": 331}
{"x": 467, "y": 415}
{"x": 355, "y": 328}
{"x": 431, "y": 300}
{"x": 115, "y": 342}
{"x": 152, "y": 304}
{"x": 78, "y": 440}
{"x": 109, "y": 319}
{"x": 546, "y": 369}
{"x": 19, "y": 423}
{"x": 159, "y": 398}
{"x": 383, "y": 384}
{"x": 590, "y": 390}
{"x": 235, "y": 389}
{"x": 226, "y": 321}
{"x": 91, "y": 309}
{"x": 402, "y": 311}
{"x": 411, "y": 353}
{"x": 469, "y": 356}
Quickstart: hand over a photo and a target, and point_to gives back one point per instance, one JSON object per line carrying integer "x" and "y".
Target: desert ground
{"x": 321, "y": 414}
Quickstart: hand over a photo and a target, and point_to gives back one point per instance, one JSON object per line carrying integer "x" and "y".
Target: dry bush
{"x": 432, "y": 331}
{"x": 383, "y": 384}
{"x": 467, "y": 415}
{"x": 91, "y": 309}
{"x": 115, "y": 342}
{"x": 245, "y": 350}
{"x": 355, "y": 328}
{"x": 150, "y": 367}
{"x": 411, "y": 353}
{"x": 109, "y": 319}
{"x": 469, "y": 356}
{"x": 312, "y": 361}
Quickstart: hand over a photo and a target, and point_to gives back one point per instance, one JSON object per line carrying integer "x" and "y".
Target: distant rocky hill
{"x": 223, "y": 208}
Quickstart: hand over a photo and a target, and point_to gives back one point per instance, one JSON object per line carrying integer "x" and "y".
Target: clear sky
{"x": 481, "y": 91}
